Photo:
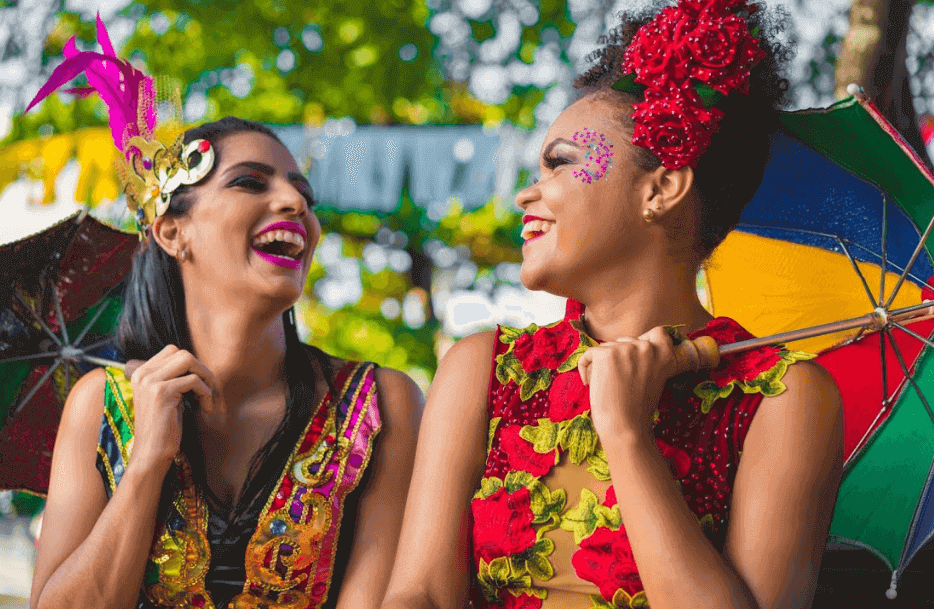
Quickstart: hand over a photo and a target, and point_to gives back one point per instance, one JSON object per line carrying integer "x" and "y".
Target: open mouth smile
{"x": 535, "y": 228}
{"x": 282, "y": 244}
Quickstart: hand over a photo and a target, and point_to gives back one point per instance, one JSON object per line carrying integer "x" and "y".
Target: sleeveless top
{"x": 546, "y": 532}
{"x": 292, "y": 532}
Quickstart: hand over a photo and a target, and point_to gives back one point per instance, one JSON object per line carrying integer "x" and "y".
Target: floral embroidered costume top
{"x": 290, "y": 556}
{"x": 546, "y": 531}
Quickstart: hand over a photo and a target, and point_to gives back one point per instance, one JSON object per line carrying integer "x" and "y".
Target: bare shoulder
{"x": 400, "y": 398}
{"x": 85, "y": 404}
{"x": 471, "y": 355}
{"x": 811, "y": 394}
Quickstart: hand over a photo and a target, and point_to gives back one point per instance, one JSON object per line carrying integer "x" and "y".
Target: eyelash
{"x": 258, "y": 185}
{"x": 553, "y": 161}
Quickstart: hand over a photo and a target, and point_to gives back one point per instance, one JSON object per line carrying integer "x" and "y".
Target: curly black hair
{"x": 730, "y": 171}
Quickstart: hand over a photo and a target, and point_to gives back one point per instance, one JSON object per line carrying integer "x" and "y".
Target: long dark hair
{"x": 153, "y": 317}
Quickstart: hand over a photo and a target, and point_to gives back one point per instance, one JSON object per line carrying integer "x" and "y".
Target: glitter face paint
{"x": 599, "y": 157}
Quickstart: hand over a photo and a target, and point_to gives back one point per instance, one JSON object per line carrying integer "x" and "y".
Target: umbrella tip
{"x": 892, "y": 592}
{"x": 854, "y": 89}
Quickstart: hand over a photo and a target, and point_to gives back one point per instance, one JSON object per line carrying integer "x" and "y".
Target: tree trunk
{"x": 873, "y": 56}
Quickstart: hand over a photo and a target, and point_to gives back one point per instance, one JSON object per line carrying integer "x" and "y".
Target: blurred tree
{"x": 874, "y": 56}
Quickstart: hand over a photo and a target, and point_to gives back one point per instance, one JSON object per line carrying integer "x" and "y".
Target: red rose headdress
{"x": 683, "y": 62}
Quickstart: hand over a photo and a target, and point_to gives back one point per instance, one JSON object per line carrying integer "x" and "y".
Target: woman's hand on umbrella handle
{"x": 159, "y": 385}
{"x": 688, "y": 356}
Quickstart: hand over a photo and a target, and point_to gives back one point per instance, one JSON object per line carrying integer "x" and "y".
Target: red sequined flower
{"x": 605, "y": 559}
{"x": 699, "y": 40}
{"x": 568, "y": 397}
{"x": 549, "y": 348}
{"x": 723, "y": 52}
{"x": 521, "y": 455}
{"x": 503, "y": 524}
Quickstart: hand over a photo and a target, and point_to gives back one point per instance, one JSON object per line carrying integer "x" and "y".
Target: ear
{"x": 666, "y": 189}
{"x": 169, "y": 234}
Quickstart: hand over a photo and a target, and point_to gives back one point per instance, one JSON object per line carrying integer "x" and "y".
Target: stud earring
{"x": 648, "y": 215}
{"x": 183, "y": 255}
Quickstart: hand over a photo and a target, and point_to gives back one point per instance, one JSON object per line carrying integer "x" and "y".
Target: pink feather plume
{"x": 114, "y": 79}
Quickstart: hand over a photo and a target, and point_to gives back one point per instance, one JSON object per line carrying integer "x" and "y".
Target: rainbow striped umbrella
{"x": 840, "y": 230}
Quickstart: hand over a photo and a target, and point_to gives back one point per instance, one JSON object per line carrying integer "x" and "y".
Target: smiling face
{"x": 250, "y": 230}
{"x": 584, "y": 215}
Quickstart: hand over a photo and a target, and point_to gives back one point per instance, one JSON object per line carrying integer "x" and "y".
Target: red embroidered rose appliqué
{"x": 521, "y": 455}
{"x": 568, "y": 397}
{"x": 605, "y": 559}
{"x": 503, "y": 524}
{"x": 549, "y": 348}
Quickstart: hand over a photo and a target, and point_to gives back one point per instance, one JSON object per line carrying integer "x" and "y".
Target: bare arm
{"x": 782, "y": 504}
{"x": 433, "y": 562}
{"x": 382, "y": 503}
{"x": 92, "y": 552}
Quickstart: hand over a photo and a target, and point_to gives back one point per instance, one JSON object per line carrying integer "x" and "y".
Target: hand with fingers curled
{"x": 159, "y": 386}
{"x": 626, "y": 379}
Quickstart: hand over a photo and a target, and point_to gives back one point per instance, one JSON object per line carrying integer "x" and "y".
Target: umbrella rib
{"x": 885, "y": 375}
{"x": 38, "y": 384}
{"x": 97, "y": 313}
{"x": 901, "y": 362}
{"x": 58, "y": 311}
{"x": 20, "y": 358}
{"x": 885, "y": 234}
{"x": 93, "y": 346}
{"x": 38, "y": 318}
{"x": 911, "y": 263}
{"x": 846, "y": 251}
{"x": 914, "y": 334}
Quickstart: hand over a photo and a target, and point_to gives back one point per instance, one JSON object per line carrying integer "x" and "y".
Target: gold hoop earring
{"x": 648, "y": 215}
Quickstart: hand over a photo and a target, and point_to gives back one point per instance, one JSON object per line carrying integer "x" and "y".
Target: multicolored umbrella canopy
{"x": 59, "y": 302}
{"x": 835, "y": 232}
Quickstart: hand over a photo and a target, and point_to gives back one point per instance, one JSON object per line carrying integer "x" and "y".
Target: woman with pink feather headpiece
{"x": 229, "y": 464}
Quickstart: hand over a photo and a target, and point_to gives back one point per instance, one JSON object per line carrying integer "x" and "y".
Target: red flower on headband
{"x": 675, "y": 126}
{"x": 697, "y": 40}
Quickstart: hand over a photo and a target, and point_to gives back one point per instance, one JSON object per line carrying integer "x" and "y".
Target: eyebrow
{"x": 268, "y": 170}
{"x": 553, "y": 143}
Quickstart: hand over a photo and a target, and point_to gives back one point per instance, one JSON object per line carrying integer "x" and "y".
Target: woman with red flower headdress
{"x": 572, "y": 466}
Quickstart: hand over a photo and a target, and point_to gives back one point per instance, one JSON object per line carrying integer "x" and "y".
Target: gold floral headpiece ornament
{"x": 156, "y": 161}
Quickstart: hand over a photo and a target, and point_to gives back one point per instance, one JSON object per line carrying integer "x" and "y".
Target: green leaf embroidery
{"x": 494, "y": 423}
{"x": 509, "y": 335}
{"x": 535, "y": 381}
{"x": 544, "y": 436}
{"x": 488, "y": 486}
{"x": 768, "y": 383}
{"x": 518, "y": 479}
{"x": 509, "y": 368}
{"x": 584, "y": 519}
{"x": 599, "y": 466}
{"x": 578, "y": 438}
{"x": 534, "y": 561}
{"x": 498, "y": 575}
{"x": 571, "y": 362}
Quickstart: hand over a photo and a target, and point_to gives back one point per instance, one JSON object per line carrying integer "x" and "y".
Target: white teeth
{"x": 284, "y": 236}
{"x": 536, "y": 226}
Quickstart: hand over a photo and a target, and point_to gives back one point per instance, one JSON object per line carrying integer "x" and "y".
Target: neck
{"x": 243, "y": 348}
{"x": 663, "y": 293}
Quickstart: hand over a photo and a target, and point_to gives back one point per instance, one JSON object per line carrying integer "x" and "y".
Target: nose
{"x": 289, "y": 199}
{"x": 527, "y": 195}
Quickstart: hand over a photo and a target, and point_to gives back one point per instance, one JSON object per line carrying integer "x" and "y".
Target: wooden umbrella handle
{"x": 694, "y": 355}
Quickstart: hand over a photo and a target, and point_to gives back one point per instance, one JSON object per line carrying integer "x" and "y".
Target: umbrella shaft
{"x": 869, "y": 320}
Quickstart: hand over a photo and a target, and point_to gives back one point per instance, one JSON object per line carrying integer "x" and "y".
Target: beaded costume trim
{"x": 290, "y": 558}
